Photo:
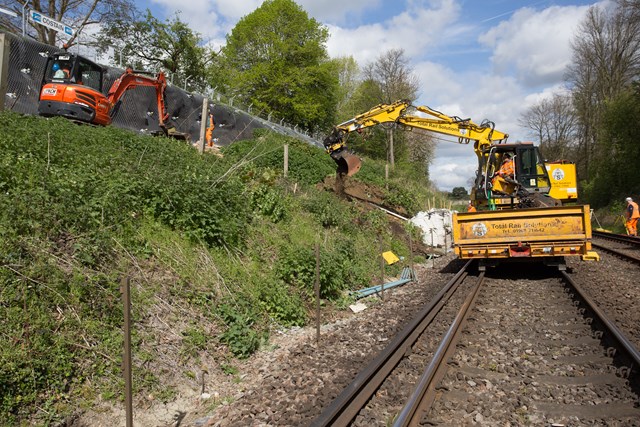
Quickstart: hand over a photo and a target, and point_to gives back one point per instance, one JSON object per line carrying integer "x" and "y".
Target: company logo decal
{"x": 479, "y": 229}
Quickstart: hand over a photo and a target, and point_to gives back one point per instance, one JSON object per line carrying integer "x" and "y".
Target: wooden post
{"x": 286, "y": 160}
{"x": 317, "y": 289}
{"x": 203, "y": 124}
{"x": 126, "y": 360}
{"x": 5, "y": 48}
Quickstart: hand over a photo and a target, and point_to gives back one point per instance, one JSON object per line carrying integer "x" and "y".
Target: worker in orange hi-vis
{"x": 504, "y": 175}
{"x": 209, "y": 134}
{"x": 470, "y": 207}
{"x": 632, "y": 214}
{"x": 507, "y": 169}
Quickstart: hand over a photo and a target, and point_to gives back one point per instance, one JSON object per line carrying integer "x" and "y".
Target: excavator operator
{"x": 506, "y": 173}
{"x": 59, "y": 72}
{"x": 507, "y": 169}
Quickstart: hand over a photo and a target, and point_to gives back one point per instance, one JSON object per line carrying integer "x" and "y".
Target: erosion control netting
{"x": 138, "y": 111}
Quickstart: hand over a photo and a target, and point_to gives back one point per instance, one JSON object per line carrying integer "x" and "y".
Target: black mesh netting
{"x": 138, "y": 111}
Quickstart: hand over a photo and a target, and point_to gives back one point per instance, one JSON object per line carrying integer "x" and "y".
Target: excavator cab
{"x": 527, "y": 186}
{"x": 72, "y": 88}
{"x": 67, "y": 68}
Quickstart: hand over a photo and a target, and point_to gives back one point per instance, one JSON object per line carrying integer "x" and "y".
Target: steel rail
{"x": 344, "y": 408}
{"x": 617, "y": 237}
{"x": 422, "y": 397}
{"x": 617, "y": 252}
{"x": 625, "y": 354}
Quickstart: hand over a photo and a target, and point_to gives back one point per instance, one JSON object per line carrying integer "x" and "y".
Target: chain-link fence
{"x": 139, "y": 110}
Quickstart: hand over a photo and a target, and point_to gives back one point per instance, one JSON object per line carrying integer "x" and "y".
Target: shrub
{"x": 326, "y": 209}
{"x": 240, "y": 336}
{"x": 308, "y": 165}
{"x": 269, "y": 202}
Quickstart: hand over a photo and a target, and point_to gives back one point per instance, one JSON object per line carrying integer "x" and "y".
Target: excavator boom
{"x": 405, "y": 114}
{"x": 132, "y": 79}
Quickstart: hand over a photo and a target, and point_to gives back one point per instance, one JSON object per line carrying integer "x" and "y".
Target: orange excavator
{"x": 72, "y": 88}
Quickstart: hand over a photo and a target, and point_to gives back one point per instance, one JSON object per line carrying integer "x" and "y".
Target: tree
{"x": 554, "y": 124}
{"x": 78, "y": 14}
{"x": 150, "y": 44}
{"x": 373, "y": 142}
{"x": 395, "y": 80}
{"x": 276, "y": 60}
{"x": 347, "y": 71}
{"x": 606, "y": 59}
{"x": 459, "y": 193}
{"x": 616, "y": 174}
{"x": 394, "y": 77}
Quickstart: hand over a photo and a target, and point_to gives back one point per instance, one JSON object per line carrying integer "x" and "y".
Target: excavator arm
{"x": 404, "y": 113}
{"x": 528, "y": 187}
{"x": 131, "y": 79}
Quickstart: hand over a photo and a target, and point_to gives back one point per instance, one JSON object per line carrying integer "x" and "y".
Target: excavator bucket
{"x": 348, "y": 164}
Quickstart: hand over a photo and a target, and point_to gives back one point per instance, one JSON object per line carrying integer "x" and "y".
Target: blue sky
{"x": 477, "y": 59}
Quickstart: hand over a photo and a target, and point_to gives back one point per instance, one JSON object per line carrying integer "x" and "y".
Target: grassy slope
{"x": 219, "y": 251}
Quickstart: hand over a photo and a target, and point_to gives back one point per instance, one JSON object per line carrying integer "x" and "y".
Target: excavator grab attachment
{"x": 348, "y": 164}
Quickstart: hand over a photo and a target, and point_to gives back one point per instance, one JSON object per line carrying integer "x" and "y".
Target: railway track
{"x": 530, "y": 350}
{"x": 626, "y": 247}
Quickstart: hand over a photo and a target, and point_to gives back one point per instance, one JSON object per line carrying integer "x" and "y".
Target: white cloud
{"x": 235, "y": 9}
{"x": 454, "y": 171}
{"x": 418, "y": 30}
{"x": 213, "y": 19}
{"x": 537, "y": 44}
{"x": 337, "y": 11}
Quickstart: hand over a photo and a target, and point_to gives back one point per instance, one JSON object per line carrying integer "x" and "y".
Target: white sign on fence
{"x": 51, "y": 23}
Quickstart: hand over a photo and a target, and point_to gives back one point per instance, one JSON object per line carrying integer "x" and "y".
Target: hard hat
{"x": 629, "y": 199}
{"x": 56, "y": 66}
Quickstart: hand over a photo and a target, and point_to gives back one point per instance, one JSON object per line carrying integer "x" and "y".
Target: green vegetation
{"x": 219, "y": 251}
{"x": 615, "y": 176}
{"x": 276, "y": 60}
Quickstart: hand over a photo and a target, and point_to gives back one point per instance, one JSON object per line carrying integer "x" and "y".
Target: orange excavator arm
{"x": 131, "y": 79}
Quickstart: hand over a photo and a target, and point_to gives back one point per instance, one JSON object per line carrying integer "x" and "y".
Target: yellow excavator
{"x": 516, "y": 216}
{"x": 528, "y": 187}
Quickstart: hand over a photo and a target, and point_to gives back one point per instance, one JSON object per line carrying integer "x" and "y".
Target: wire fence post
{"x": 126, "y": 360}
{"x": 203, "y": 124}
{"x": 286, "y": 160}
{"x": 5, "y": 50}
